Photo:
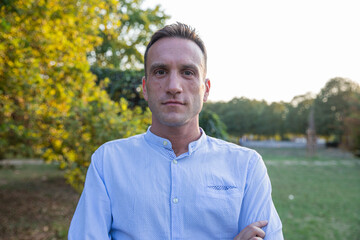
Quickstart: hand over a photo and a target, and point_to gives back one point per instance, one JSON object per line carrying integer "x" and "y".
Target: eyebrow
{"x": 191, "y": 66}
{"x": 157, "y": 65}
{"x": 183, "y": 66}
{"x": 196, "y": 68}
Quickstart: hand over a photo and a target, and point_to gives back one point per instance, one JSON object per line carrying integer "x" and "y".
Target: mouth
{"x": 173, "y": 103}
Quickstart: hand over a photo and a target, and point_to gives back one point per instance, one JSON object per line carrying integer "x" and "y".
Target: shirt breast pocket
{"x": 219, "y": 207}
{"x": 220, "y": 191}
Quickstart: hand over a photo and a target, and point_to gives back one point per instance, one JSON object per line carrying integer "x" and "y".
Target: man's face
{"x": 175, "y": 87}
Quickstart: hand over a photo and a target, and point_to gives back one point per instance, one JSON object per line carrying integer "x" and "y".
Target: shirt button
{"x": 174, "y": 161}
{"x": 175, "y": 200}
{"x": 165, "y": 143}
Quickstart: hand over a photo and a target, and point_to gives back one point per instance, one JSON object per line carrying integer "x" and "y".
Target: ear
{"x": 144, "y": 88}
{"x": 207, "y": 89}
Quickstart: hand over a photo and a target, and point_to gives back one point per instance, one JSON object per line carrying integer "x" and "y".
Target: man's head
{"x": 177, "y": 30}
{"x": 175, "y": 85}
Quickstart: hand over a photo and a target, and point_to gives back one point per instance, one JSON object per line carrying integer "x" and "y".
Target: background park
{"x": 70, "y": 75}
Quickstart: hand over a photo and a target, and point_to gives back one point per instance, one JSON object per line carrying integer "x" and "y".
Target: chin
{"x": 173, "y": 123}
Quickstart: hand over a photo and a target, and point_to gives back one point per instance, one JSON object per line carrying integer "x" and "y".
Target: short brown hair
{"x": 177, "y": 30}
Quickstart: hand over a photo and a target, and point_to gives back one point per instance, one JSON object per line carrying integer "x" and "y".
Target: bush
{"x": 122, "y": 84}
{"x": 212, "y": 124}
{"x": 50, "y": 105}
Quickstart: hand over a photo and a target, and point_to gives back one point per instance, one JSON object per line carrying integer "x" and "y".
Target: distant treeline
{"x": 335, "y": 109}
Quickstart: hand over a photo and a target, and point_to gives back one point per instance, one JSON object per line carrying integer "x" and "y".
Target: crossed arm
{"x": 252, "y": 231}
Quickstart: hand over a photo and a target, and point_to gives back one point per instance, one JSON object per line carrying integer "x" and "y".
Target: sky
{"x": 272, "y": 50}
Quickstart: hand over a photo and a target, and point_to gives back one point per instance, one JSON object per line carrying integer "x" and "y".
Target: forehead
{"x": 175, "y": 51}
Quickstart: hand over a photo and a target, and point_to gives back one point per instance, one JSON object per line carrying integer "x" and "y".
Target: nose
{"x": 174, "y": 84}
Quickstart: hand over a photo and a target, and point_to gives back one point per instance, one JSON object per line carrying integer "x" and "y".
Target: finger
{"x": 252, "y": 231}
{"x": 260, "y": 233}
{"x": 260, "y": 224}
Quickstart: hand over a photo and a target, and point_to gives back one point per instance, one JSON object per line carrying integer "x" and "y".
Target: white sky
{"x": 272, "y": 50}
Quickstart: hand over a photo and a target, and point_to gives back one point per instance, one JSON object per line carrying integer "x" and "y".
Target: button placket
{"x": 175, "y": 199}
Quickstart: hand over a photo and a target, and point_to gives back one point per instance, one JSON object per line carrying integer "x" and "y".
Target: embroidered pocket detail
{"x": 221, "y": 187}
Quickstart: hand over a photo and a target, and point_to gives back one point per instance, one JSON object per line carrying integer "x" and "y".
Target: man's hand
{"x": 252, "y": 232}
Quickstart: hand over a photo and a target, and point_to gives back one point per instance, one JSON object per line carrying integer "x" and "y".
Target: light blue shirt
{"x": 136, "y": 188}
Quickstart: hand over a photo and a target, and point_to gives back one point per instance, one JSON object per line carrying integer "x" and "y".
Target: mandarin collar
{"x": 165, "y": 143}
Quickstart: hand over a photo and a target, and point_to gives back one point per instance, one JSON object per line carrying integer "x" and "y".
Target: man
{"x": 174, "y": 182}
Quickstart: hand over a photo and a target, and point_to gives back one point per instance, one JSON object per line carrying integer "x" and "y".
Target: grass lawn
{"x": 316, "y": 197}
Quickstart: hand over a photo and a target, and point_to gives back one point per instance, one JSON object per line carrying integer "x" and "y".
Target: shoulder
{"x": 114, "y": 150}
{"x": 136, "y": 139}
{"x": 224, "y": 147}
{"x": 235, "y": 155}
{"x": 121, "y": 144}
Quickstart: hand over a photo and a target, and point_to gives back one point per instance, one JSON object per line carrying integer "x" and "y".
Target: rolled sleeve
{"x": 257, "y": 203}
{"x": 92, "y": 218}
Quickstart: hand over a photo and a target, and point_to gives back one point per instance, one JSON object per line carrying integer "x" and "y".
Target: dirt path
{"x": 21, "y": 161}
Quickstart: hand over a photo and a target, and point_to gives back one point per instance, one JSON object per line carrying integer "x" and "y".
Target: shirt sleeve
{"x": 257, "y": 202}
{"x": 92, "y": 218}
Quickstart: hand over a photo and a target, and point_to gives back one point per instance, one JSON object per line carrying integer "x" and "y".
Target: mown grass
{"x": 36, "y": 203}
{"x": 321, "y": 154}
{"x": 316, "y": 201}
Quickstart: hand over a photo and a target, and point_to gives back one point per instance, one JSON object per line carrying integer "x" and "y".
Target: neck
{"x": 180, "y": 136}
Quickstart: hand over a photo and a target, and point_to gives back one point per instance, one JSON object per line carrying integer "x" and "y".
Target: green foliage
{"x": 122, "y": 84}
{"x": 332, "y": 106}
{"x": 244, "y": 116}
{"x": 39, "y": 61}
{"x": 297, "y": 119}
{"x": 351, "y": 137}
{"x": 50, "y": 105}
{"x": 212, "y": 125}
{"x": 128, "y": 30}
{"x": 272, "y": 120}
{"x": 336, "y": 107}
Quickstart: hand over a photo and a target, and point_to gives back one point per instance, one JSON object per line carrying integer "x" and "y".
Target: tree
{"x": 351, "y": 137}
{"x": 212, "y": 124}
{"x": 126, "y": 31}
{"x": 242, "y": 116}
{"x": 273, "y": 119}
{"x": 297, "y": 118}
{"x": 332, "y": 106}
{"x": 122, "y": 84}
{"x": 50, "y": 105}
{"x": 39, "y": 42}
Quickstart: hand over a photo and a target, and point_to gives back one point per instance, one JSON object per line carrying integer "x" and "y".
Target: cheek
{"x": 200, "y": 89}
{"x": 196, "y": 87}
{"x": 156, "y": 86}
{"x": 153, "y": 89}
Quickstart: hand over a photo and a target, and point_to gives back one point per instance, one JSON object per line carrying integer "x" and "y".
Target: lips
{"x": 173, "y": 103}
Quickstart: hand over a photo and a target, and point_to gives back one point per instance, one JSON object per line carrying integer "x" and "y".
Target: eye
{"x": 160, "y": 72}
{"x": 188, "y": 73}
